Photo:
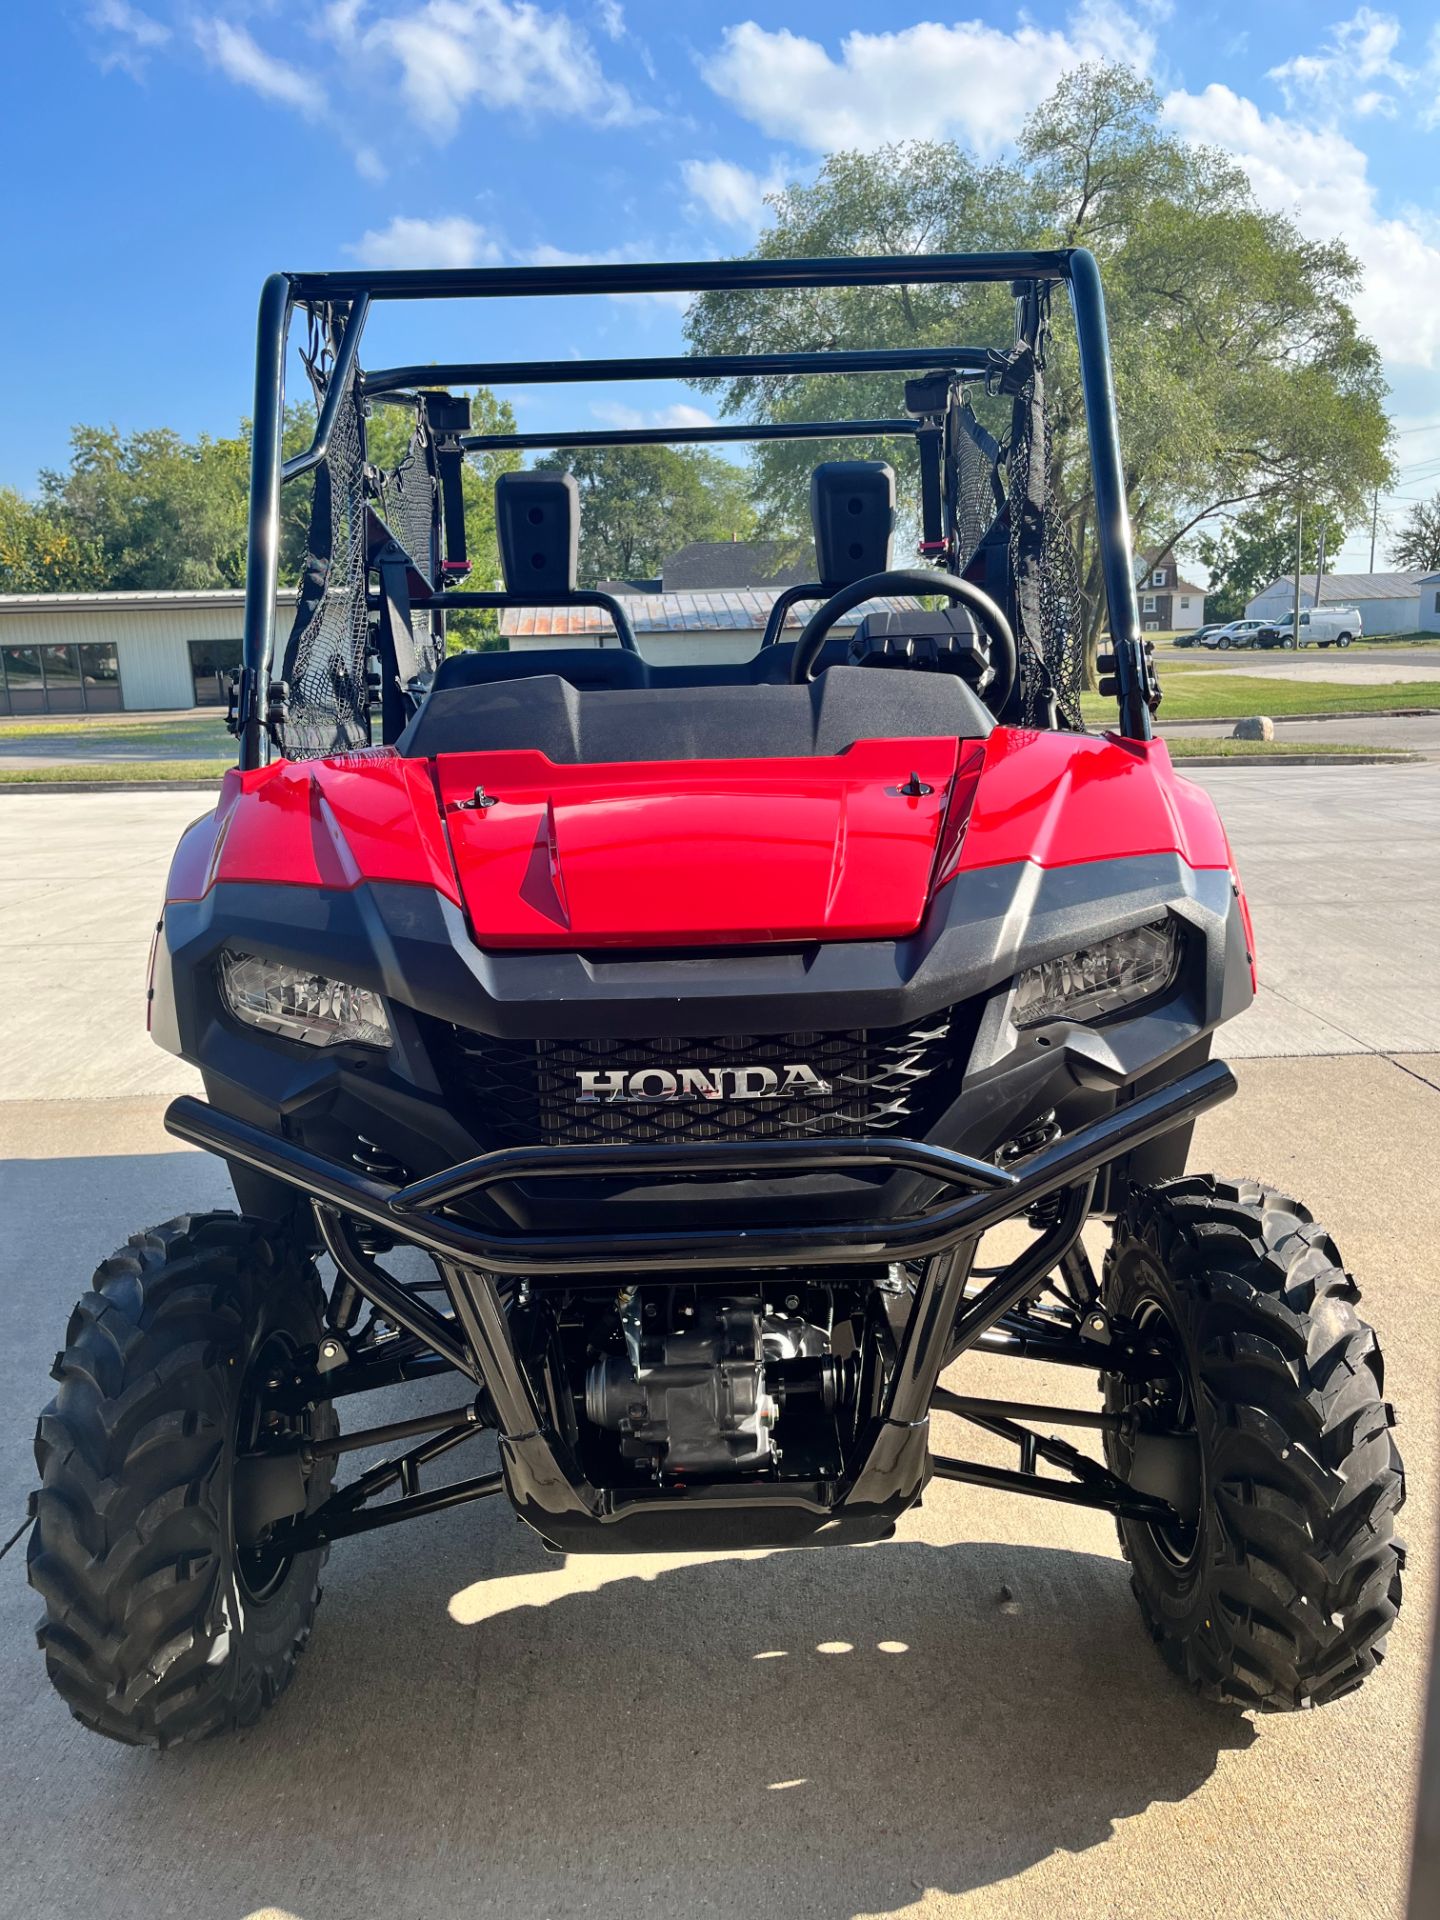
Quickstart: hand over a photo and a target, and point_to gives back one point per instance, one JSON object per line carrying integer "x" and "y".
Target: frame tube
{"x": 683, "y": 276}
{"x": 694, "y": 436}
{"x": 334, "y": 393}
{"x": 1112, "y": 513}
{"x": 262, "y": 549}
{"x": 681, "y": 366}
{"x": 414, "y": 1214}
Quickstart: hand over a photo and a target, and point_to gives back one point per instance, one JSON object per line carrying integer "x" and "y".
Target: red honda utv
{"x": 697, "y": 1021}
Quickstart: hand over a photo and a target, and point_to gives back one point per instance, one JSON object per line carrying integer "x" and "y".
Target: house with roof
{"x": 672, "y": 628}
{"x": 710, "y": 566}
{"x": 1388, "y": 602}
{"x": 1168, "y": 602}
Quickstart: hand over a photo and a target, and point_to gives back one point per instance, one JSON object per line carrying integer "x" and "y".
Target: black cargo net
{"x": 323, "y": 667}
{"x": 1050, "y": 629}
{"x": 976, "y": 489}
{"x": 326, "y": 657}
{"x": 405, "y": 501}
{"x": 1012, "y": 540}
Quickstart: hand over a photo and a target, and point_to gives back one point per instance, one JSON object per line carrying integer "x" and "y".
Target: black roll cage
{"x": 345, "y": 297}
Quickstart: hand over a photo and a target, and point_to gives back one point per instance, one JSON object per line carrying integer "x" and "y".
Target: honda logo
{"x": 700, "y": 1083}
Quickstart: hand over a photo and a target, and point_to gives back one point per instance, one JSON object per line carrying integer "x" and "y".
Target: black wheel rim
{"x": 1173, "y": 1394}
{"x": 260, "y": 1568}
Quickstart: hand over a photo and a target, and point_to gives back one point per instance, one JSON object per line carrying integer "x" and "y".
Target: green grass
{"x": 1199, "y": 746}
{"x": 183, "y": 734}
{"x": 112, "y": 773}
{"x": 1224, "y": 696}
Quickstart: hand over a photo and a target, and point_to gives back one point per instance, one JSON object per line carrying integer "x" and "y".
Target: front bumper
{"x": 891, "y": 1465}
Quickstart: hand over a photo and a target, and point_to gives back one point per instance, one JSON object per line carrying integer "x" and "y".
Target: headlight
{"x": 1097, "y": 980}
{"x": 301, "y": 1005}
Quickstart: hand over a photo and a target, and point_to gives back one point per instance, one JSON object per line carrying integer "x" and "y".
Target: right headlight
{"x": 1100, "y": 979}
{"x": 301, "y": 1005}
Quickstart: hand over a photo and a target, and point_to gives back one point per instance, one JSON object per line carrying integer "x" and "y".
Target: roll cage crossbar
{"x": 345, "y": 298}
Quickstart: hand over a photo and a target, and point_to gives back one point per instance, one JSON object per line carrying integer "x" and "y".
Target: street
{"x": 968, "y": 1720}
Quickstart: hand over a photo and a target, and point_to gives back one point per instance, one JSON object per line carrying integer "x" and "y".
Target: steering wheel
{"x": 918, "y": 580}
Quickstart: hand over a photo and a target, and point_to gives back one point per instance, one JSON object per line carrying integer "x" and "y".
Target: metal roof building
{"x": 149, "y": 651}
{"x": 673, "y": 627}
{"x": 100, "y": 652}
{"x": 1388, "y": 602}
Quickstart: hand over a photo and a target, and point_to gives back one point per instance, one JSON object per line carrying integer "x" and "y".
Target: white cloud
{"x": 1320, "y": 178}
{"x": 968, "y": 81}
{"x": 730, "y": 193}
{"x": 612, "y": 19}
{"x": 235, "y": 53}
{"x": 136, "y": 35}
{"x": 370, "y": 166}
{"x": 678, "y": 415}
{"x": 1360, "y": 48}
{"x": 451, "y": 241}
{"x": 498, "y": 53}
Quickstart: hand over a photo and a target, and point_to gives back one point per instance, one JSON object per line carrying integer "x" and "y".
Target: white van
{"x": 1319, "y": 627}
{"x": 1326, "y": 625}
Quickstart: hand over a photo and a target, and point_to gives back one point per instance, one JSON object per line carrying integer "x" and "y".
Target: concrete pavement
{"x": 481, "y": 1729}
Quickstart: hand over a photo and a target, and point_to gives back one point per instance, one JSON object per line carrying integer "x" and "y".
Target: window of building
{"x": 63, "y": 691}
{"x": 1185, "y": 602}
{"x": 24, "y": 681}
{"x": 211, "y": 664}
{"x": 100, "y": 676}
{"x": 60, "y": 679}
{"x": 1157, "y": 578}
{"x": 1147, "y": 605}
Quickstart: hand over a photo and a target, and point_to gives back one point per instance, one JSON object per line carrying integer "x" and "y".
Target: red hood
{"x": 695, "y": 853}
{"x": 692, "y": 853}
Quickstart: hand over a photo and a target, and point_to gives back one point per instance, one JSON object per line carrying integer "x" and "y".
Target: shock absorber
{"x": 380, "y": 1165}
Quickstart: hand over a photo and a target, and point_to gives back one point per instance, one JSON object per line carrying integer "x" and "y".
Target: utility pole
{"x": 1374, "y": 527}
{"x": 1299, "y": 523}
{"x": 1319, "y": 569}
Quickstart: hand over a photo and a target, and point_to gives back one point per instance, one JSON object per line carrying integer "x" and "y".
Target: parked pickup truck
{"x": 1319, "y": 627}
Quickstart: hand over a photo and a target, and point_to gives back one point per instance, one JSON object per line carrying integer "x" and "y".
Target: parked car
{"x": 1319, "y": 627}
{"x": 1235, "y": 633}
{"x": 1197, "y": 635}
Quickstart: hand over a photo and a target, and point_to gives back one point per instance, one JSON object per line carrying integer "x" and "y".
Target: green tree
{"x": 1257, "y": 546}
{"x": 640, "y": 503}
{"x": 1417, "y": 545}
{"x": 1241, "y": 376}
{"x": 161, "y": 511}
{"x": 39, "y": 553}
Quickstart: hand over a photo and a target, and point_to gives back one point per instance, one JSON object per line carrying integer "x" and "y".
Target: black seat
{"x": 583, "y": 667}
{"x": 735, "y": 722}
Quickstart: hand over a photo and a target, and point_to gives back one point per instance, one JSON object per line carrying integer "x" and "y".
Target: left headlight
{"x": 300, "y": 1005}
{"x": 1097, "y": 980}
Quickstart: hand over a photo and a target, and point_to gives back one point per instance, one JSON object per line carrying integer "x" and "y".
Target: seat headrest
{"x": 537, "y": 518}
{"x": 852, "y": 509}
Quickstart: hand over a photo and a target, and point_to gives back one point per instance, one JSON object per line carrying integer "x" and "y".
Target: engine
{"x": 702, "y": 1379}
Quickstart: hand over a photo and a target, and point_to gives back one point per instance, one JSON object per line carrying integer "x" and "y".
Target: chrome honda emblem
{"x": 699, "y": 1083}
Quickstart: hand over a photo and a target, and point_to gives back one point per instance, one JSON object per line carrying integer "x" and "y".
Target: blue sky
{"x": 174, "y": 152}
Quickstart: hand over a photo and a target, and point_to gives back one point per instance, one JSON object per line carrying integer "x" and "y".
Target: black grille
{"x": 526, "y": 1092}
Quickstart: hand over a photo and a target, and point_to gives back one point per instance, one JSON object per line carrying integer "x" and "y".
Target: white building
{"x": 99, "y": 652}
{"x": 1388, "y": 602}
